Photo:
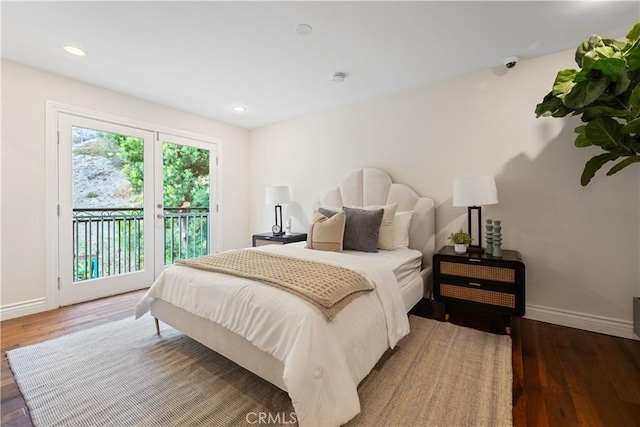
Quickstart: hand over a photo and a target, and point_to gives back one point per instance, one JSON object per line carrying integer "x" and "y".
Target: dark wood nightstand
{"x": 483, "y": 281}
{"x": 269, "y": 239}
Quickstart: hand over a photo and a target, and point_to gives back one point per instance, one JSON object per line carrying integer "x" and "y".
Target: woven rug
{"x": 123, "y": 374}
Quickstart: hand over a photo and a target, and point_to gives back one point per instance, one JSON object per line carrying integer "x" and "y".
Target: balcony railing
{"x": 108, "y": 242}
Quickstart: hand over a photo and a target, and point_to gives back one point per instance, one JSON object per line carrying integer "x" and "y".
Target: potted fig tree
{"x": 605, "y": 93}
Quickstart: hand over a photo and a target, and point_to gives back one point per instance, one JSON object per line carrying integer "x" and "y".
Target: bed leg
{"x": 157, "y": 325}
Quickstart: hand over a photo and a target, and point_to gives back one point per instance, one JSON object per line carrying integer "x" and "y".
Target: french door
{"x": 131, "y": 202}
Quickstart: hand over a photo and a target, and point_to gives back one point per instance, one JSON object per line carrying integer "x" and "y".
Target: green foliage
{"x": 460, "y": 238}
{"x": 606, "y": 94}
{"x": 185, "y": 169}
{"x": 185, "y": 236}
{"x": 186, "y": 175}
{"x": 92, "y": 194}
{"x": 130, "y": 151}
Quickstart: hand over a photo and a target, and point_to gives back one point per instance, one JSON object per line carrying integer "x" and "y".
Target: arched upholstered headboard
{"x": 368, "y": 186}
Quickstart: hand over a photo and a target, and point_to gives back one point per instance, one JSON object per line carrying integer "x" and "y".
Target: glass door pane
{"x": 108, "y": 201}
{"x": 185, "y": 195}
{"x": 188, "y": 167}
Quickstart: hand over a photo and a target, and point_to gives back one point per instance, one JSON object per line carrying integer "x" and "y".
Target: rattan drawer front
{"x": 267, "y": 242}
{"x": 498, "y": 274}
{"x": 478, "y": 295}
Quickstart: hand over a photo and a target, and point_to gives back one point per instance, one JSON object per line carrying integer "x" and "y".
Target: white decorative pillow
{"x": 401, "y": 224}
{"x": 386, "y": 238}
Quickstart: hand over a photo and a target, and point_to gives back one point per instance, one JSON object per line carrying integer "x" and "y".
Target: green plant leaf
{"x": 590, "y": 113}
{"x": 633, "y": 56}
{"x": 551, "y": 106}
{"x": 588, "y": 59}
{"x": 587, "y": 46}
{"x": 564, "y": 82}
{"x": 604, "y": 132}
{"x": 634, "y": 34}
{"x": 632, "y": 127}
{"x": 581, "y": 76}
{"x": 581, "y": 139}
{"x": 623, "y": 164}
{"x": 585, "y": 92}
{"x": 595, "y": 163}
{"x": 622, "y": 83}
{"x": 606, "y": 52}
{"x": 634, "y": 101}
{"x": 614, "y": 43}
{"x": 610, "y": 67}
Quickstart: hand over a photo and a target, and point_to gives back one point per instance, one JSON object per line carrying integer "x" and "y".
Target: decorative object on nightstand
{"x": 497, "y": 239}
{"x": 287, "y": 227}
{"x": 460, "y": 241}
{"x": 262, "y": 239}
{"x": 489, "y": 237}
{"x": 473, "y": 193}
{"x": 481, "y": 281}
{"x": 277, "y": 196}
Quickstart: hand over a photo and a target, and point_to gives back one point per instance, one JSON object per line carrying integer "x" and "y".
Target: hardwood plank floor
{"x": 561, "y": 376}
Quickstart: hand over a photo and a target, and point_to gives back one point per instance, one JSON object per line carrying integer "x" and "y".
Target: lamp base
{"x": 475, "y": 249}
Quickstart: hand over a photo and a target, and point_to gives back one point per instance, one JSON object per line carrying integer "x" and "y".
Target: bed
{"x": 285, "y": 340}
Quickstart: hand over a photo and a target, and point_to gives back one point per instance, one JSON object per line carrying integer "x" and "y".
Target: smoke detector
{"x": 338, "y": 77}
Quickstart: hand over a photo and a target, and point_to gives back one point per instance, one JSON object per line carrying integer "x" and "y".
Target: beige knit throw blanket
{"x": 330, "y": 288}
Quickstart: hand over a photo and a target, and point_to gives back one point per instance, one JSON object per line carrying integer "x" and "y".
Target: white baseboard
{"x": 588, "y": 322}
{"x": 19, "y": 309}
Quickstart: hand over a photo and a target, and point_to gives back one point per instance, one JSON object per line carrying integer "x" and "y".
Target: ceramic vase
{"x": 489, "y": 236}
{"x": 497, "y": 239}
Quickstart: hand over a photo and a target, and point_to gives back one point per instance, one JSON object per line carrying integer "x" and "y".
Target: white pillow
{"x": 401, "y": 224}
{"x": 386, "y": 237}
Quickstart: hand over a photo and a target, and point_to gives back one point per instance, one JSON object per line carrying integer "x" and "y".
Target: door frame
{"x": 52, "y": 196}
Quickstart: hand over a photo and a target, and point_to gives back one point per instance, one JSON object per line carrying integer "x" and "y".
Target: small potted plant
{"x": 460, "y": 240}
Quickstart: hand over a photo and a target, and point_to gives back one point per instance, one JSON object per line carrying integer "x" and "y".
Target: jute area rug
{"x": 123, "y": 374}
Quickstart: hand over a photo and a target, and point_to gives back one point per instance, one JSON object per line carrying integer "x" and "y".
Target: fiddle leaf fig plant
{"x": 605, "y": 93}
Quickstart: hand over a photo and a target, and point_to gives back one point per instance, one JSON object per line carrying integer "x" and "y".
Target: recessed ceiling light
{"x": 238, "y": 109}
{"x": 303, "y": 29}
{"x": 75, "y": 50}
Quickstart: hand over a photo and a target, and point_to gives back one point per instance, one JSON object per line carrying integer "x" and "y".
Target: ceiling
{"x": 205, "y": 57}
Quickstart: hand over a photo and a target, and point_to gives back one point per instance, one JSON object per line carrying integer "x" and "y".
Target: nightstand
{"x": 482, "y": 281}
{"x": 269, "y": 239}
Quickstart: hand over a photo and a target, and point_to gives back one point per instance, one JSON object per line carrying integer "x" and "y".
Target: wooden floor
{"x": 562, "y": 376}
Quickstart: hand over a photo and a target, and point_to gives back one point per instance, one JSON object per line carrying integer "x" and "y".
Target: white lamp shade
{"x": 277, "y": 195}
{"x": 475, "y": 191}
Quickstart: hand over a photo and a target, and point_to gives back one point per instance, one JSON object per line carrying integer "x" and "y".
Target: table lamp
{"x": 473, "y": 193}
{"x": 277, "y": 196}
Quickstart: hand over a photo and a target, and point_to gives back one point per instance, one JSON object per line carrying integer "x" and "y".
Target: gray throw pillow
{"x": 326, "y": 212}
{"x": 362, "y": 229}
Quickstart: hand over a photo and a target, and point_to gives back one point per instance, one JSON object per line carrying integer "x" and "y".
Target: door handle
{"x": 159, "y": 216}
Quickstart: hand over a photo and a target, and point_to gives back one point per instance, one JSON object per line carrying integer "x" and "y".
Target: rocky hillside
{"x": 98, "y": 181}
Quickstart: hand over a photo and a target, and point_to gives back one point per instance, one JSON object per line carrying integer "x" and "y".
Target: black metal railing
{"x": 185, "y": 233}
{"x": 108, "y": 242}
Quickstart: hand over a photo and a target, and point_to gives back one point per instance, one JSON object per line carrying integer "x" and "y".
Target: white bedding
{"x": 323, "y": 362}
{"x": 405, "y": 263}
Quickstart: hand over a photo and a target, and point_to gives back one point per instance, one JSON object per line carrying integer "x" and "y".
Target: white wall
{"x": 580, "y": 244}
{"x": 24, "y": 94}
